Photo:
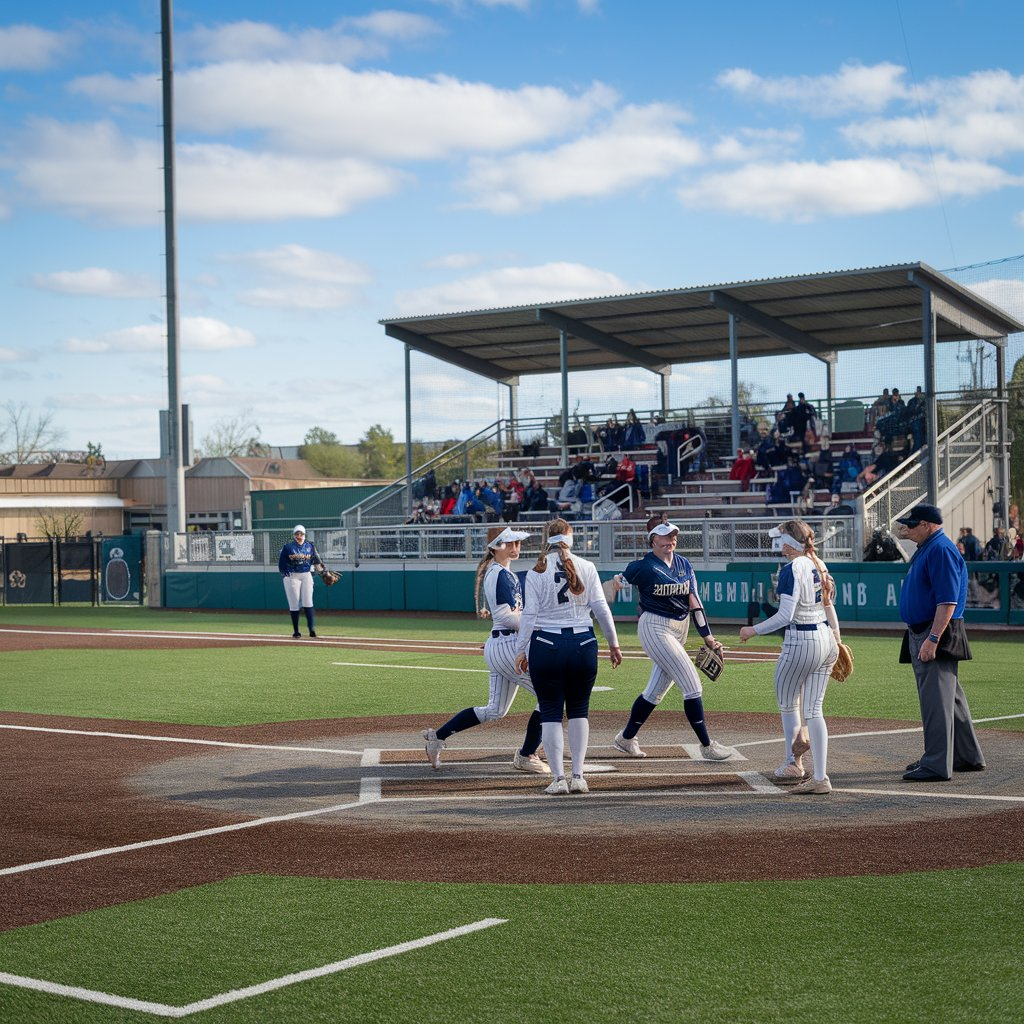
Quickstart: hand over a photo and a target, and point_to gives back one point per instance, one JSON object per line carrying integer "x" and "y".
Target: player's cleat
{"x": 714, "y": 751}
{"x": 789, "y": 774}
{"x": 296, "y": 636}
{"x": 558, "y": 788}
{"x": 530, "y": 764}
{"x": 819, "y": 787}
{"x": 312, "y": 633}
{"x": 800, "y": 746}
{"x": 433, "y": 747}
{"x": 578, "y": 785}
{"x": 630, "y": 746}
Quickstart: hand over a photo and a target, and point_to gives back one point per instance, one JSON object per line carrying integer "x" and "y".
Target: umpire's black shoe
{"x": 920, "y": 774}
{"x": 312, "y": 633}
{"x": 963, "y": 766}
{"x": 296, "y": 636}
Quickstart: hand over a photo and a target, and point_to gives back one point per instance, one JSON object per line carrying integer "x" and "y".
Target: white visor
{"x": 560, "y": 538}
{"x": 507, "y": 536}
{"x": 662, "y": 530}
{"x": 782, "y": 540}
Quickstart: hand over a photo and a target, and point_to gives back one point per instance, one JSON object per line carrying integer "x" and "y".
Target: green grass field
{"x": 926, "y": 947}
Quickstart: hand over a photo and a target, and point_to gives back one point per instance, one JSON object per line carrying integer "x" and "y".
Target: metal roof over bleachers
{"x": 820, "y": 314}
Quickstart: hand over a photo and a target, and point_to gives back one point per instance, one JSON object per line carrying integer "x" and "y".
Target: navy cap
{"x": 921, "y": 514}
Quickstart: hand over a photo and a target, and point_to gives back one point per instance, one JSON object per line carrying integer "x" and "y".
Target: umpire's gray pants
{"x": 948, "y": 730}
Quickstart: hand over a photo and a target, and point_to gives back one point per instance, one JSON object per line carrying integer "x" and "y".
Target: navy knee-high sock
{"x": 465, "y": 719}
{"x": 295, "y": 621}
{"x": 310, "y": 618}
{"x": 641, "y": 711}
{"x": 531, "y": 741}
{"x": 694, "y": 708}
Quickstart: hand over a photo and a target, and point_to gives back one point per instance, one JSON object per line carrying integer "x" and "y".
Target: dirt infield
{"x": 375, "y": 810}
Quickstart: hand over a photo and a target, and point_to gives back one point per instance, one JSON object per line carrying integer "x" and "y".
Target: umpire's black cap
{"x": 921, "y": 514}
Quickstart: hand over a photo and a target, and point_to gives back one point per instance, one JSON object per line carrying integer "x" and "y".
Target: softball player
{"x": 810, "y": 648}
{"x": 557, "y": 645}
{"x": 295, "y": 564}
{"x": 504, "y": 604}
{"x": 668, "y": 600}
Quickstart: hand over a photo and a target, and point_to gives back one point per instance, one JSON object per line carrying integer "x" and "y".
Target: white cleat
{"x": 817, "y": 787}
{"x": 714, "y": 751}
{"x": 630, "y": 746}
{"x": 530, "y": 764}
{"x": 434, "y": 747}
{"x": 578, "y": 785}
{"x": 790, "y": 773}
{"x": 558, "y": 788}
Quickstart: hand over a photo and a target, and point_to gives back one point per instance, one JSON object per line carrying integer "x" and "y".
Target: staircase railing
{"x": 961, "y": 447}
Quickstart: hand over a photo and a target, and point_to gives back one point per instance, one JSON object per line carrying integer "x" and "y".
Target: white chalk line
{"x": 236, "y": 995}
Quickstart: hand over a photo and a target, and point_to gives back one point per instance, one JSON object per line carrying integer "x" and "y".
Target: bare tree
{"x": 237, "y": 435}
{"x": 26, "y": 436}
{"x": 60, "y": 525}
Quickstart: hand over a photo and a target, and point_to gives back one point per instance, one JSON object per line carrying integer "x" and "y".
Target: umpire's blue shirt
{"x": 664, "y": 590}
{"x": 937, "y": 575}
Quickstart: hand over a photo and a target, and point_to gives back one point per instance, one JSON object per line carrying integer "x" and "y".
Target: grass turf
{"x": 944, "y": 946}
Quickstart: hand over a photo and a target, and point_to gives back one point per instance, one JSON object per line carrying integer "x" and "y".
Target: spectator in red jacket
{"x": 743, "y": 469}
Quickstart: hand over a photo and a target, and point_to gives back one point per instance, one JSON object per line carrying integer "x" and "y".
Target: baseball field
{"x": 202, "y": 818}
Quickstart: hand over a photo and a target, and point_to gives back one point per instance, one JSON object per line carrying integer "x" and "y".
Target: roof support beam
{"x": 450, "y": 355}
{"x": 953, "y": 309}
{"x": 773, "y": 328}
{"x": 631, "y": 353}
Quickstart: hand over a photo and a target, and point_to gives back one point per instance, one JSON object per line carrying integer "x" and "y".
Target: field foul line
{"x": 236, "y": 995}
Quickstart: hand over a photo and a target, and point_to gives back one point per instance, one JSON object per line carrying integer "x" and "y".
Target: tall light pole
{"x": 175, "y": 469}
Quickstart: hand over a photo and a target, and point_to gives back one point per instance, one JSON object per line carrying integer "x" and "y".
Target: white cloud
{"x": 198, "y": 334}
{"x": 455, "y": 261}
{"x": 804, "y": 191}
{"x": 755, "y": 144}
{"x": 979, "y": 115}
{"x": 511, "y": 286}
{"x": 15, "y": 355}
{"x": 638, "y": 145}
{"x": 98, "y": 281}
{"x": 319, "y": 108}
{"x": 1005, "y": 293}
{"x": 853, "y": 87}
{"x": 315, "y": 279}
{"x": 94, "y": 170}
{"x": 28, "y": 48}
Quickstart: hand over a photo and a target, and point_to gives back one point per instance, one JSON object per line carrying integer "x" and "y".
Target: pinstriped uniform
{"x": 504, "y": 598}
{"x": 809, "y": 649}
{"x": 662, "y": 639}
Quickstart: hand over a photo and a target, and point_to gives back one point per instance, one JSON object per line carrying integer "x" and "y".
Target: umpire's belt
{"x": 502, "y": 632}
{"x": 566, "y": 629}
{"x": 805, "y": 627}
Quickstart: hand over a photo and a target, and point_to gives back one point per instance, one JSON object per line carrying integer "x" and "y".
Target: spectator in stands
{"x": 610, "y": 435}
{"x": 512, "y": 498}
{"x": 568, "y": 502}
{"x": 626, "y": 474}
{"x": 998, "y": 547}
{"x": 451, "y": 494}
{"x": 788, "y": 485}
{"x": 535, "y": 497}
{"x": 823, "y": 466}
{"x": 850, "y": 466}
{"x": 895, "y": 423}
{"x": 743, "y": 469}
{"x": 801, "y": 419}
{"x": 916, "y": 422}
{"x": 749, "y": 435}
{"x": 1015, "y": 542}
{"x": 784, "y": 417}
{"x": 1013, "y": 519}
{"x": 492, "y": 498}
{"x": 972, "y": 550}
{"x": 583, "y": 470}
{"x": 634, "y": 434}
{"x": 881, "y": 407}
{"x": 885, "y": 460}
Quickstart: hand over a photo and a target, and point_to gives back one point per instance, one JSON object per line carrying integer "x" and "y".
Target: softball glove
{"x": 710, "y": 662}
{"x": 843, "y": 668}
{"x": 329, "y": 576}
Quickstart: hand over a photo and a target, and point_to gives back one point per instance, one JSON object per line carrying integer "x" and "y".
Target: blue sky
{"x": 337, "y": 168}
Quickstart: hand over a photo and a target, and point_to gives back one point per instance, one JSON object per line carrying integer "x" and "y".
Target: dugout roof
{"x": 820, "y": 314}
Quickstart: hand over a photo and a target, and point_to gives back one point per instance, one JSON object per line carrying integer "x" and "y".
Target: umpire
{"x": 932, "y": 605}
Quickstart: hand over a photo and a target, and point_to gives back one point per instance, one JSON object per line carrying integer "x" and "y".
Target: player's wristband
{"x": 933, "y": 637}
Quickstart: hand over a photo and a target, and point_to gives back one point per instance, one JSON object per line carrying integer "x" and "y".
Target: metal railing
{"x": 611, "y": 542}
{"x": 961, "y": 447}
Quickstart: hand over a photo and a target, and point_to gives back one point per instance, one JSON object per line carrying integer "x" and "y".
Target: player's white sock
{"x": 790, "y": 729}
{"x": 554, "y": 746}
{"x": 579, "y": 738}
{"x": 817, "y": 732}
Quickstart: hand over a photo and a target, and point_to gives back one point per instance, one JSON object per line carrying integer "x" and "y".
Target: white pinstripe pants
{"x": 500, "y": 656}
{"x": 802, "y": 671}
{"x": 298, "y": 588}
{"x": 662, "y": 639}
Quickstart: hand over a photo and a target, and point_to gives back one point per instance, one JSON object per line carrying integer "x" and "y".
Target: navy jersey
{"x": 297, "y": 557}
{"x": 664, "y": 590}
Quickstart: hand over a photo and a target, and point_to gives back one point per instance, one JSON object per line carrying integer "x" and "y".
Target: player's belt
{"x": 502, "y": 632}
{"x": 567, "y": 629}
{"x": 805, "y": 627}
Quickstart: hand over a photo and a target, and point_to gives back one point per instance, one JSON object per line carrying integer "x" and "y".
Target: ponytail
{"x": 553, "y": 529}
{"x": 481, "y": 571}
{"x": 801, "y": 532}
